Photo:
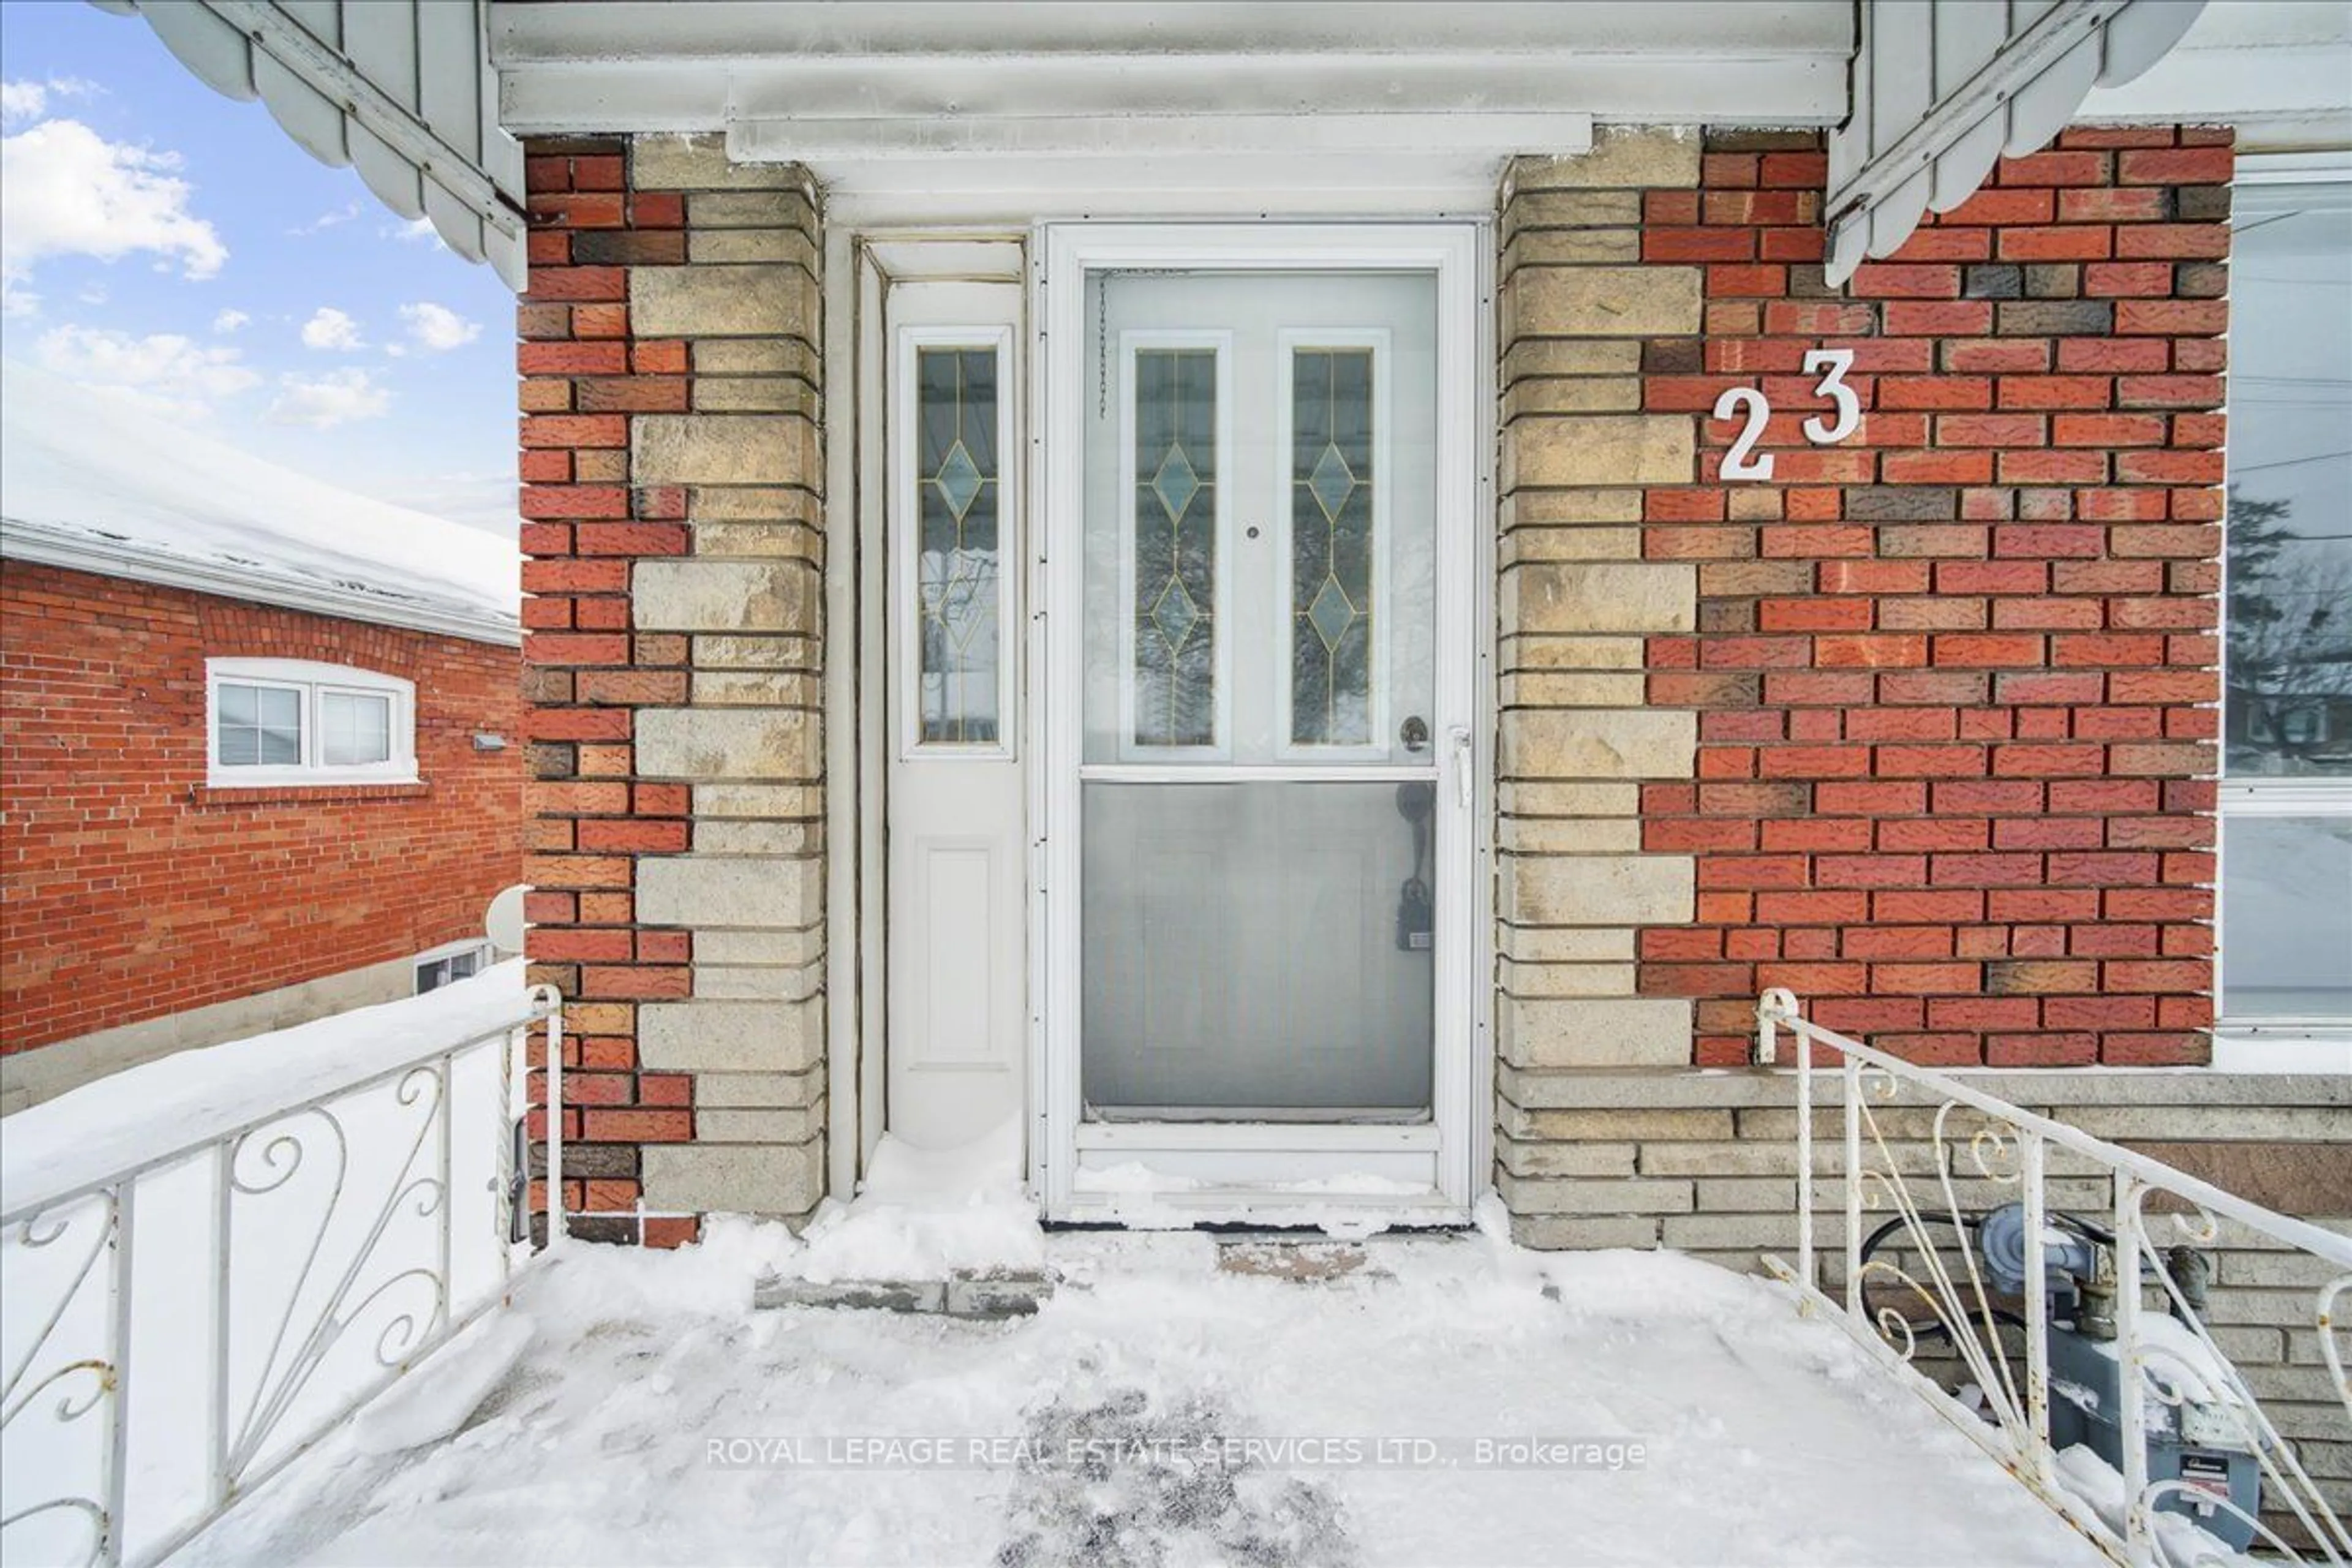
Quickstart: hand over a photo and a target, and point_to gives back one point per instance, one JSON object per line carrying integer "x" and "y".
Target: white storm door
{"x": 956, "y": 946}
{"x": 1260, "y": 801}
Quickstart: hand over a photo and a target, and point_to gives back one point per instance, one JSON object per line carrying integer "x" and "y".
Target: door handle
{"x": 1458, "y": 740}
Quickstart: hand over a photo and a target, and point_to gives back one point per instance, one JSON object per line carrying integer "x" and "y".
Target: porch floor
{"x": 657, "y": 1417}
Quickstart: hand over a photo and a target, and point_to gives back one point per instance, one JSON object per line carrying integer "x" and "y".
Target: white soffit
{"x": 399, "y": 89}
{"x": 2278, "y": 70}
{"x": 1943, "y": 88}
{"x": 966, "y": 111}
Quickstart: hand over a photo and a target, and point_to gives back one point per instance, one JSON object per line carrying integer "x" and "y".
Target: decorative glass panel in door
{"x": 1258, "y": 783}
{"x": 958, "y": 497}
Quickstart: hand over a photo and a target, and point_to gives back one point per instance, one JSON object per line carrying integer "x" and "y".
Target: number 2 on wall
{"x": 1743, "y": 462}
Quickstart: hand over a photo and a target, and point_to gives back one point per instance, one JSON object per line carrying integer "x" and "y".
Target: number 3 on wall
{"x": 1743, "y": 462}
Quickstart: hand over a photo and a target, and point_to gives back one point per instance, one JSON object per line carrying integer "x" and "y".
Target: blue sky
{"x": 177, "y": 246}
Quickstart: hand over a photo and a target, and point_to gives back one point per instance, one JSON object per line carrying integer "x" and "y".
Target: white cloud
{"x": 23, "y": 100}
{"x": 164, "y": 371}
{"x": 437, "y": 328}
{"x": 64, "y": 190}
{"x": 336, "y": 398}
{"x": 331, "y": 330}
{"x": 327, "y": 220}
{"x": 414, "y": 230}
{"x": 30, "y": 99}
{"x": 230, "y": 320}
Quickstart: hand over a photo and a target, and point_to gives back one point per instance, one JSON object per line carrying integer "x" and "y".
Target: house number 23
{"x": 1743, "y": 461}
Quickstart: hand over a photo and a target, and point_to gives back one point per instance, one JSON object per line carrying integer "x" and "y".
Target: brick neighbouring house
{"x": 1926, "y": 725}
{"x": 153, "y": 898}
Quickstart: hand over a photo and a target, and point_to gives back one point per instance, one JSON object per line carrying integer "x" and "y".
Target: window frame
{"x": 485, "y": 955}
{"x": 2253, "y": 797}
{"x": 312, "y": 679}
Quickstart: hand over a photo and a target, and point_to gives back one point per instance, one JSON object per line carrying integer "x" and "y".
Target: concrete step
{"x": 985, "y": 1296}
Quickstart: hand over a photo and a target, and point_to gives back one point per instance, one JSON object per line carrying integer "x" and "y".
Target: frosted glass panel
{"x": 1257, "y": 946}
{"x": 2286, "y": 917}
{"x": 957, "y": 500}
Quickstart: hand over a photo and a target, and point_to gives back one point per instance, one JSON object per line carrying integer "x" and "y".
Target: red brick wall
{"x": 1956, "y": 675}
{"x": 132, "y": 890}
{"x": 589, "y": 817}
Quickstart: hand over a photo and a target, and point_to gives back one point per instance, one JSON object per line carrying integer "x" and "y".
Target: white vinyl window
{"x": 446, "y": 965}
{"x": 273, "y": 721}
{"x": 2286, "y": 774}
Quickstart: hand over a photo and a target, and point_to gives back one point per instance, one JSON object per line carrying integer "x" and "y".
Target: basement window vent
{"x": 444, "y": 965}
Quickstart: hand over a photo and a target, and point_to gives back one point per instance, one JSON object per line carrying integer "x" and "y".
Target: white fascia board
{"x": 729, "y": 30}
{"x": 42, "y": 545}
{"x": 651, "y": 95}
{"x": 667, "y": 83}
{"x": 2285, "y": 96}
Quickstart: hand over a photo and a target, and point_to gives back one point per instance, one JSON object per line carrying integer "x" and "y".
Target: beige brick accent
{"x": 700, "y": 163}
{"x": 723, "y": 301}
{"x": 1593, "y": 596}
{"x": 1623, "y": 158}
{"x": 783, "y": 898}
{"x": 1595, "y": 743}
{"x": 748, "y": 603}
{"x": 724, "y": 449}
{"x": 735, "y": 1178}
{"x": 707, "y": 743}
{"x": 1564, "y": 299}
{"x": 1577, "y": 737}
{"x": 1594, "y": 1032}
{"x": 1600, "y": 449}
{"x": 703, "y": 596}
{"x": 729, "y": 1036}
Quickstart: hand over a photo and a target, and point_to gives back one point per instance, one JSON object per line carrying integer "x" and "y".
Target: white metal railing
{"x": 176, "y": 1330}
{"x": 1930, "y": 1152}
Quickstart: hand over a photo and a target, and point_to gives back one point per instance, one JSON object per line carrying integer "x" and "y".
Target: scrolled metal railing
{"x": 175, "y": 1331}
{"x": 1934, "y": 1161}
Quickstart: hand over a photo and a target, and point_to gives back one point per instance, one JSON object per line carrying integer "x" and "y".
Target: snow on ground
{"x": 1159, "y": 1413}
{"x": 922, "y": 1212}
{"x": 75, "y": 460}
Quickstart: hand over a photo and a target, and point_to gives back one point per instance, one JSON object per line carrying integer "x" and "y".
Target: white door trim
{"x": 1460, "y": 255}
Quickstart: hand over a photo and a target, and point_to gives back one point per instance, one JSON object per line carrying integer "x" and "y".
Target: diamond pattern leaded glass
{"x": 1175, "y": 544}
{"x": 1331, "y": 547}
{"x": 957, "y": 499}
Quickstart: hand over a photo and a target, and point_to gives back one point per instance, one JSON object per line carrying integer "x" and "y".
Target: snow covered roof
{"x": 90, "y": 482}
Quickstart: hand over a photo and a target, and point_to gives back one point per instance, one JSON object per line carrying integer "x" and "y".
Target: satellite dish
{"x": 503, "y": 924}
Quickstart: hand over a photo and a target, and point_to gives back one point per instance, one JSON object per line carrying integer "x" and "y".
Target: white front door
{"x": 1258, "y": 776}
